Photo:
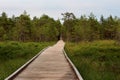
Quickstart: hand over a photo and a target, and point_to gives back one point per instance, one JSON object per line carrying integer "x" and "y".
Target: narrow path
{"x": 50, "y": 65}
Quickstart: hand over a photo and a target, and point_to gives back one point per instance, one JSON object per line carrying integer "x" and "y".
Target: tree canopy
{"x": 89, "y": 28}
{"x": 23, "y": 28}
{"x": 45, "y": 28}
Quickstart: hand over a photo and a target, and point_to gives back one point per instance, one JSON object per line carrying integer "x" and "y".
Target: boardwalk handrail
{"x": 14, "y": 74}
{"x": 73, "y": 66}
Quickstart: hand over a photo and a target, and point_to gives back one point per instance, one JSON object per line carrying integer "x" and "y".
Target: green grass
{"x": 98, "y": 60}
{"x": 15, "y": 54}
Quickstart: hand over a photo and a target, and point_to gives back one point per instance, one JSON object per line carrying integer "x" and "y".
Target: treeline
{"x": 89, "y": 28}
{"x": 45, "y": 28}
{"x": 23, "y": 28}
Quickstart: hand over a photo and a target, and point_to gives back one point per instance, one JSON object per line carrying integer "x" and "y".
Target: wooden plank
{"x": 24, "y": 66}
{"x": 50, "y": 65}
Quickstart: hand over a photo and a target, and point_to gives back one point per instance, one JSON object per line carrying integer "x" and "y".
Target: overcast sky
{"x": 54, "y": 8}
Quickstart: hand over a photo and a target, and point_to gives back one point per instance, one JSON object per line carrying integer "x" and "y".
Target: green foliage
{"x": 89, "y": 28}
{"x": 2, "y": 32}
{"x": 23, "y": 28}
{"x": 45, "y": 28}
{"x": 15, "y": 54}
{"x": 98, "y": 60}
{"x": 109, "y": 27}
{"x": 69, "y": 23}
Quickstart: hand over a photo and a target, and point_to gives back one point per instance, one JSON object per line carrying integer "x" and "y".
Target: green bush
{"x": 98, "y": 60}
{"x": 15, "y": 54}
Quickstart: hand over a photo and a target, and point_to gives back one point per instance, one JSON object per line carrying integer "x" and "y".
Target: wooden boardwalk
{"x": 50, "y": 65}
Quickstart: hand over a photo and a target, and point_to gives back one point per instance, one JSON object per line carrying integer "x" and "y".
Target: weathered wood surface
{"x": 50, "y": 65}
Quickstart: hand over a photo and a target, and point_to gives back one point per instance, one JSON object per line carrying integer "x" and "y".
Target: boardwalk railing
{"x": 73, "y": 66}
{"x": 11, "y": 77}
